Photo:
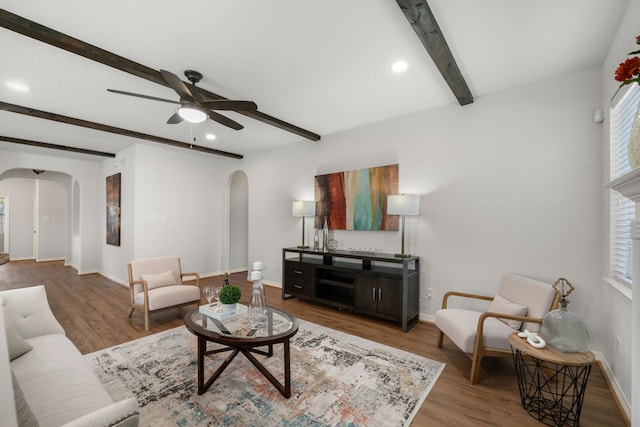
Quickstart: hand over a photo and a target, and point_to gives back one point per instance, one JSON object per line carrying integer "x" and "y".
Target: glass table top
{"x": 270, "y": 325}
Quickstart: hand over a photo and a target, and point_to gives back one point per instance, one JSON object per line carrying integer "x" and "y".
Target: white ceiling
{"x": 321, "y": 65}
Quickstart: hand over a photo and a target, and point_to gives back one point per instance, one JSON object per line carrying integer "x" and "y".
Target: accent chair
{"x": 156, "y": 285}
{"x": 521, "y": 303}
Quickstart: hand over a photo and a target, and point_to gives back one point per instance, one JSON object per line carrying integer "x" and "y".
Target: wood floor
{"x": 93, "y": 311}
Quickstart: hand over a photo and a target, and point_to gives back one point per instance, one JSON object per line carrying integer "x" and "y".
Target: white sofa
{"x": 52, "y": 383}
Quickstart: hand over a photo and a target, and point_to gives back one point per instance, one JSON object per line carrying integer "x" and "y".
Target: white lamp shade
{"x": 304, "y": 208}
{"x": 403, "y": 204}
{"x": 192, "y": 114}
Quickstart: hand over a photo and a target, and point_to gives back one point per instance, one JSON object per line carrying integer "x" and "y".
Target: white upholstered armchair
{"x": 521, "y": 303}
{"x": 156, "y": 285}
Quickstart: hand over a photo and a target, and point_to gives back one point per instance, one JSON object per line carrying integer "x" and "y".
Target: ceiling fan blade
{"x": 228, "y": 104}
{"x": 178, "y": 85}
{"x": 153, "y": 98}
{"x": 196, "y": 94}
{"x": 175, "y": 119}
{"x": 224, "y": 120}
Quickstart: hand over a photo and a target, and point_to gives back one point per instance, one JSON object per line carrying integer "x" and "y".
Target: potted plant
{"x": 229, "y": 296}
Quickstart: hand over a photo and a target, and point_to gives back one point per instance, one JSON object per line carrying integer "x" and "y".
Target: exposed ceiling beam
{"x": 55, "y": 38}
{"x": 419, "y": 15}
{"x": 54, "y": 146}
{"x": 110, "y": 129}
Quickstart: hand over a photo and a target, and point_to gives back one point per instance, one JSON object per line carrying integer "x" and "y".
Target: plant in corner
{"x": 230, "y": 294}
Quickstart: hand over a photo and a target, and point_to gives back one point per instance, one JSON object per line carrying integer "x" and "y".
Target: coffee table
{"x": 237, "y": 336}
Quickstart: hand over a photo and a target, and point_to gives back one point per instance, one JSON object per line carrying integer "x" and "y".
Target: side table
{"x": 551, "y": 383}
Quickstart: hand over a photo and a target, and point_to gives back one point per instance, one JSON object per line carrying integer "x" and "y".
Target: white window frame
{"x": 622, "y": 210}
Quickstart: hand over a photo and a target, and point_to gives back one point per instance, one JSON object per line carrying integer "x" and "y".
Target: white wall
{"x": 238, "y": 222}
{"x": 86, "y": 172}
{"x": 173, "y": 203}
{"x": 114, "y": 259}
{"x": 21, "y": 195}
{"x": 52, "y": 220}
{"x": 510, "y": 183}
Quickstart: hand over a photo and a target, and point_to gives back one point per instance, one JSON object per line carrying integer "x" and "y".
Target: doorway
{"x": 4, "y": 224}
{"x": 35, "y": 225}
{"x": 238, "y": 222}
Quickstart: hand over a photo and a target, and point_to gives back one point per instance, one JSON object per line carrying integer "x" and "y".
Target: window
{"x": 622, "y": 209}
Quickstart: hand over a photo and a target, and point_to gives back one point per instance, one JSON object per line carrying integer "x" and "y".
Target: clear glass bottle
{"x": 562, "y": 329}
{"x": 257, "y": 303}
{"x": 316, "y": 240}
{"x": 225, "y": 282}
{"x": 258, "y": 266}
{"x": 325, "y": 236}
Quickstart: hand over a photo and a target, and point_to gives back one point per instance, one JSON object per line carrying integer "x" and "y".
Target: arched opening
{"x": 39, "y": 220}
{"x": 75, "y": 213}
{"x": 238, "y": 222}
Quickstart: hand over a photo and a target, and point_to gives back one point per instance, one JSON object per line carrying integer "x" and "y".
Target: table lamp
{"x": 303, "y": 208}
{"x": 403, "y": 204}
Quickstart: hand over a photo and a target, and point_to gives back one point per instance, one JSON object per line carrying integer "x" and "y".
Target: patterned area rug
{"x": 337, "y": 379}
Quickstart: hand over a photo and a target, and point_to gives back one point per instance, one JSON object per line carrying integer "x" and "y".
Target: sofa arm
{"x": 124, "y": 413}
{"x": 33, "y": 316}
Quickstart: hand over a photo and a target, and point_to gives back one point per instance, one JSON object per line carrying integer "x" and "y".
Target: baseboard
{"x": 49, "y": 259}
{"x": 220, "y": 273}
{"x": 115, "y": 279}
{"x": 429, "y": 318}
{"x": 81, "y": 272}
{"x": 618, "y": 394}
{"x": 274, "y": 284}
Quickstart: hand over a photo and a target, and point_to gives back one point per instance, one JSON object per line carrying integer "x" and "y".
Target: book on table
{"x": 214, "y": 310}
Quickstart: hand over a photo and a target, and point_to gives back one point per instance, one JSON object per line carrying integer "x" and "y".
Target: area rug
{"x": 337, "y": 379}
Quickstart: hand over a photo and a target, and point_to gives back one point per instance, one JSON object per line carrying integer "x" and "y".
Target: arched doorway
{"x": 238, "y": 249}
{"x": 38, "y": 225}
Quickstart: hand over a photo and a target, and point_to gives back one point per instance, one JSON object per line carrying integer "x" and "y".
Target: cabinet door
{"x": 389, "y": 296}
{"x": 367, "y": 292}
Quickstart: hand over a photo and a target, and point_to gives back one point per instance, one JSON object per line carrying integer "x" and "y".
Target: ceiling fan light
{"x": 192, "y": 115}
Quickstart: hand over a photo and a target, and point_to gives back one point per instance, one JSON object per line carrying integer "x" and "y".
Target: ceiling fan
{"x": 194, "y": 106}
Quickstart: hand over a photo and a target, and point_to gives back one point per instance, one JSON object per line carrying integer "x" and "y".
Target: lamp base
{"x": 402, "y": 255}
{"x": 302, "y": 247}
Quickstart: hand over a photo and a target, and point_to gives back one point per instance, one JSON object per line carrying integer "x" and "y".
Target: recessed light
{"x": 210, "y": 136}
{"x": 19, "y": 87}
{"x": 399, "y": 66}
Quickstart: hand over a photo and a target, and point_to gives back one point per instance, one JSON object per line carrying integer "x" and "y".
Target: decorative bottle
{"x": 257, "y": 303}
{"x": 316, "y": 240}
{"x": 325, "y": 236}
{"x": 225, "y": 282}
{"x": 562, "y": 329}
{"x": 259, "y": 266}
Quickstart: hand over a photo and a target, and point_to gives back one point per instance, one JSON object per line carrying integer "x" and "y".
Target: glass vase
{"x": 633, "y": 148}
{"x": 564, "y": 331}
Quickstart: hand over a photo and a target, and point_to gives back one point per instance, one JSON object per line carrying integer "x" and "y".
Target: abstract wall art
{"x": 357, "y": 199}
{"x": 113, "y": 210}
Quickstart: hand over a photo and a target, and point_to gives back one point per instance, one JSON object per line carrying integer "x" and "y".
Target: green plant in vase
{"x": 230, "y": 295}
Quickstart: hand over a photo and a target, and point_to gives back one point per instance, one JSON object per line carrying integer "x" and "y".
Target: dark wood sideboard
{"x": 380, "y": 285}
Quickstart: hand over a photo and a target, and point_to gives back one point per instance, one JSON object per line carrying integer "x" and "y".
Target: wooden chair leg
{"x": 475, "y": 368}
{"x": 146, "y": 320}
{"x": 440, "y": 338}
{"x": 131, "y": 312}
